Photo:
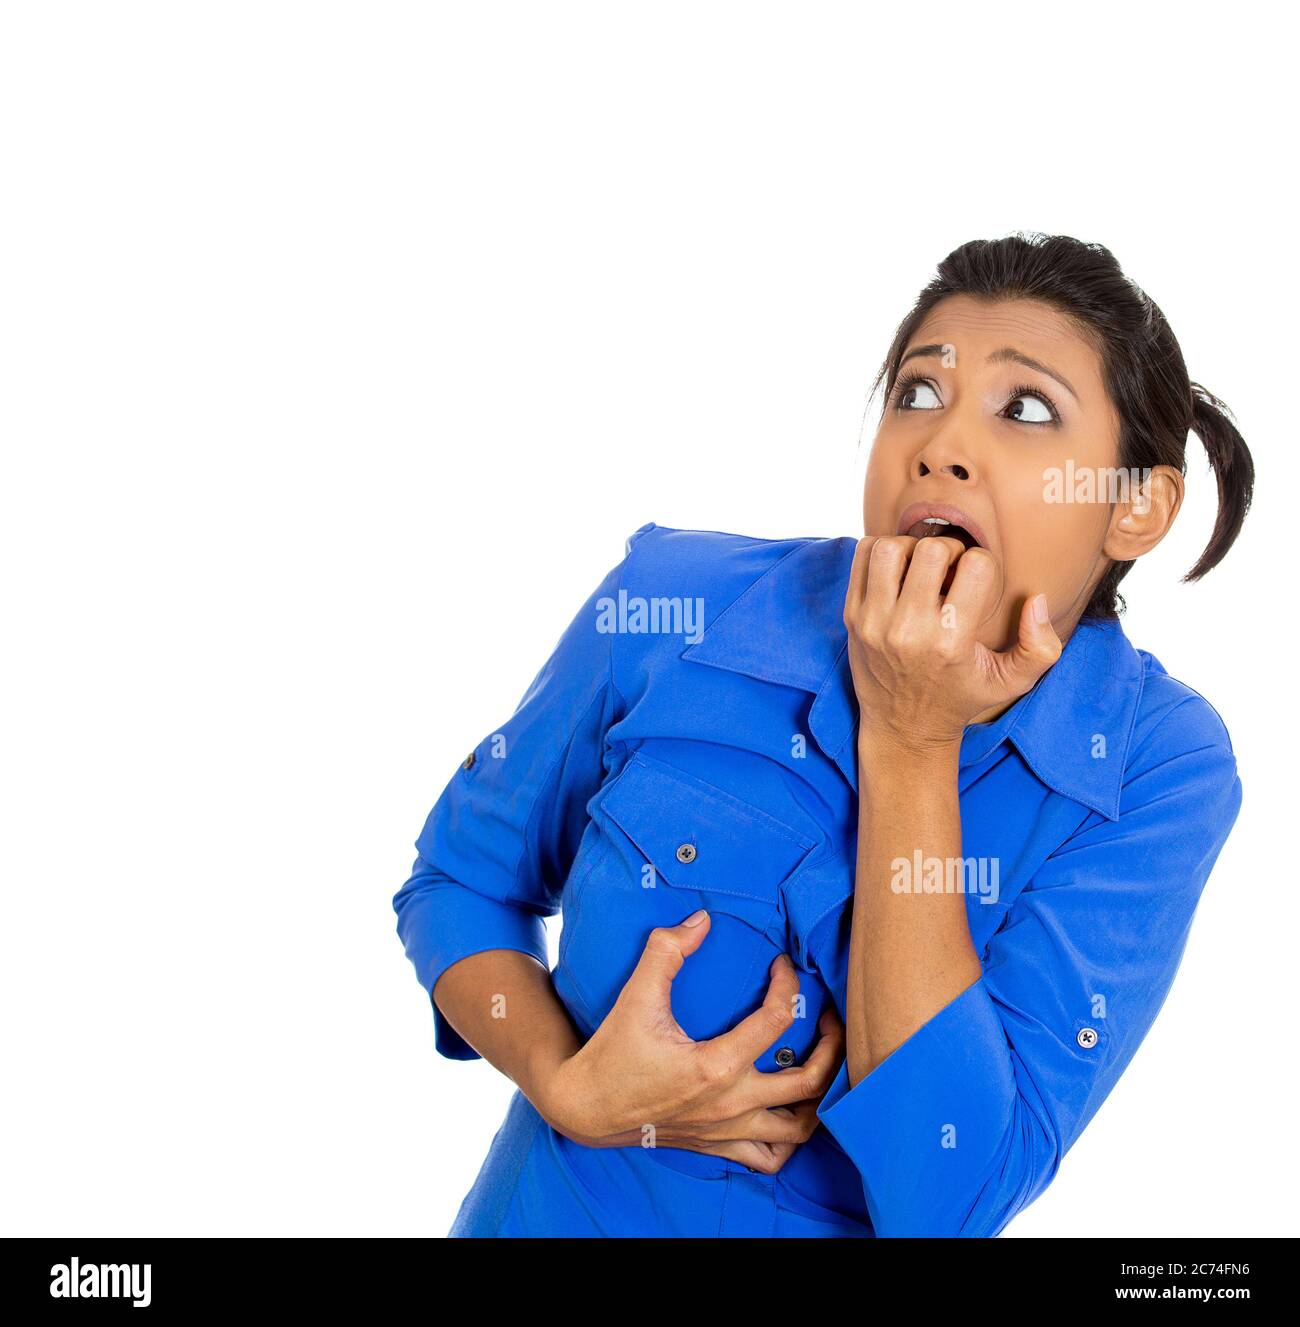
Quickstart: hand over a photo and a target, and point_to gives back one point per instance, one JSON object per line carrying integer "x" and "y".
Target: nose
{"x": 945, "y": 454}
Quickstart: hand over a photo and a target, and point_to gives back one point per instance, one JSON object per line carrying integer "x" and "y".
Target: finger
{"x": 666, "y": 949}
{"x": 1037, "y": 648}
{"x": 931, "y": 559}
{"x": 857, "y": 587}
{"x": 781, "y": 1124}
{"x": 735, "y": 1051}
{"x": 766, "y": 1158}
{"x": 973, "y": 583}
{"x": 818, "y": 1071}
{"x": 807, "y": 1080}
{"x": 889, "y": 558}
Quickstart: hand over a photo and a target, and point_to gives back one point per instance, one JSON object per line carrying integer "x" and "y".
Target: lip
{"x": 918, "y": 511}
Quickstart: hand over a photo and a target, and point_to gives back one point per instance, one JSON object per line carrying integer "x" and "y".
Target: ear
{"x": 1140, "y": 523}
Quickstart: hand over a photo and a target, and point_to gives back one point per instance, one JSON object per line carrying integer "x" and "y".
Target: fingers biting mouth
{"x": 941, "y": 520}
{"x": 926, "y": 520}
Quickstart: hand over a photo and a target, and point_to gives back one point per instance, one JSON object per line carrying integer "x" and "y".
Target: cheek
{"x": 1051, "y": 544}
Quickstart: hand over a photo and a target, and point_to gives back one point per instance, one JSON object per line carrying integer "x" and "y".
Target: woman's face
{"x": 992, "y": 399}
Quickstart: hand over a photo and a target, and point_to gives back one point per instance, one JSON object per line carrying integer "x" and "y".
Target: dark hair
{"x": 1142, "y": 367}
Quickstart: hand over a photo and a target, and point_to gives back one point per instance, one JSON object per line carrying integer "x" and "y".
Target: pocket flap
{"x": 699, "y": 837}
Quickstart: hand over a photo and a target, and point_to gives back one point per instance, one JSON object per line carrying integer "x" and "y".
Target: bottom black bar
{"x": 76, "y": 1277}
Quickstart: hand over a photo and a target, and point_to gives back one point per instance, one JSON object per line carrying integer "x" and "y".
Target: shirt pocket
{"x": 662, "y": 845}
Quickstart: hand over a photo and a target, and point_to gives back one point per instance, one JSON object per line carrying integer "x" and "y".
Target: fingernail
{"x": 1039, "y": 609}
{"x": 695, "y": 918}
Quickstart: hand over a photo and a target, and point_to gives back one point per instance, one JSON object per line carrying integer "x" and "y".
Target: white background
{"x": 344, "y": 344}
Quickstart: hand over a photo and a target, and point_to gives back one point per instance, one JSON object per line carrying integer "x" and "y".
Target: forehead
{"x": 978, "y": 327}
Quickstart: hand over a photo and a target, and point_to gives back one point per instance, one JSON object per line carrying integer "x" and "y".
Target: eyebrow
{"x": 997, "y": 357}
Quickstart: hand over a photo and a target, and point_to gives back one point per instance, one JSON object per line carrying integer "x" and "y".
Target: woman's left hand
{"x": 919, "y": 672}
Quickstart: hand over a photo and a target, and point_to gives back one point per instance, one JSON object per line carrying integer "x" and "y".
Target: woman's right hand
{"x": 640, "y": 1080}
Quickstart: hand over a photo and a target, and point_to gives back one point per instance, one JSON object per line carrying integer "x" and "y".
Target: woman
{"x": 897, "y": 836}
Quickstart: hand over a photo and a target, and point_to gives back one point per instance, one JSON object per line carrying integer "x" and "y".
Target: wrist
{"x": 882, "y": 749}
{"x": 539, "y": 1075}
{"x": 561, "y": 1099}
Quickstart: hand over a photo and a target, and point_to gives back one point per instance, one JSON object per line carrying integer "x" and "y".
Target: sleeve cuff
{"x": 445, "y": 922}
{"x": 926, "y": 1125}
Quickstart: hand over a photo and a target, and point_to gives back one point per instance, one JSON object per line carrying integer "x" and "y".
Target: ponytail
{"x": 1234, "y": 472}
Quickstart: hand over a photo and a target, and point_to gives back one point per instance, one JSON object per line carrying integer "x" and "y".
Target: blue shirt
{"x": 703, "y": 696}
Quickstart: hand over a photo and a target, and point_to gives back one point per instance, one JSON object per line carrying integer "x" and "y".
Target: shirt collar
{"x": 1072, "y": 729}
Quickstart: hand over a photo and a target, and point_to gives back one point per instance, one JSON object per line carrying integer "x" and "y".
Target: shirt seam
{"x": 606, "y": 684}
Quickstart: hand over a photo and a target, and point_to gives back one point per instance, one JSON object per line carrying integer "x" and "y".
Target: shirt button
{"x": 469, "y": 761}
{"x": 686, "y": 853}
{"x": 1087, "y": 1038}
{"x": 785, "y": 1057}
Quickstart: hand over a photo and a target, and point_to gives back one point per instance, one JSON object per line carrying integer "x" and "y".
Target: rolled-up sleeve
{"x": 966, "y": 1122}
{"x": 497, "y": 845}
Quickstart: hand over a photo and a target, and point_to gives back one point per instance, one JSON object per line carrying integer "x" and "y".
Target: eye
{"x": 1030, "y": 406}
{"x": 917, "y": 394}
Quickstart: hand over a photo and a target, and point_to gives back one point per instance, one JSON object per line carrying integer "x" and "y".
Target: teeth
{"x": 936, "y": 520}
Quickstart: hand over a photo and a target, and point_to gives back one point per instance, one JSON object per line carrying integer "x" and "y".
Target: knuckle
{"x": 713, "y": 1072}
{"x": 806, "y": 1082}
{"x": 661, "y": 940}
{"x": 796, "y": 1130}
{"x": 978, "y": 563}
{"x": 815, "y": 1081}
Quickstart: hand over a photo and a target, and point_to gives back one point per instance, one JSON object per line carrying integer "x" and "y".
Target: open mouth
{"x": 928, "y": 520}
{"x": 936, "y": 526}
{"x": 939, "y": 520}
